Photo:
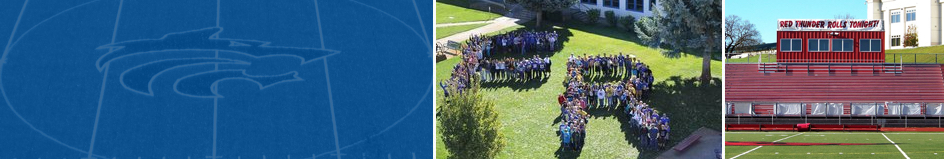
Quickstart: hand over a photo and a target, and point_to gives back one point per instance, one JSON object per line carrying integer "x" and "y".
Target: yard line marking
{"x": 101, "y": 95}
{"x": 788, "y": 137}
{"x": 749, "y": 151}
{"x": 896, "y": 146}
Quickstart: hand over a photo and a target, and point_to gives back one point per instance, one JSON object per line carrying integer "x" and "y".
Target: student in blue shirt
{"x": 443, "y": 86}
{"x": 565, "y": 135}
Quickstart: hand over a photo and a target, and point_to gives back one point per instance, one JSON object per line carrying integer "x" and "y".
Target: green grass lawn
{"x": 916, "y": 145}
{"x": 454, "y": 11}
{"x": 442, "y": 32}
{"x": 754, "y": 59}
{"x": 528, "y": 111}
{"x": 931, "y": 49}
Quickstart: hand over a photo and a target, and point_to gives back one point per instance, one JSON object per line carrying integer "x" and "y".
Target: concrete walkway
{"x": 495, "y": 25}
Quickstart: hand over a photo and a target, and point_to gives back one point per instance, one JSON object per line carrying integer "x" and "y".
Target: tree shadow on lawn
{"x": 563, "y": 35}
{"x": 622, "y": 34}
{"x": 689, "y": 104}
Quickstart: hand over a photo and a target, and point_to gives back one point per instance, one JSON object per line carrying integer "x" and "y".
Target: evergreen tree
{"x": 689, "y": 25}
{"x": 469, "y": 125}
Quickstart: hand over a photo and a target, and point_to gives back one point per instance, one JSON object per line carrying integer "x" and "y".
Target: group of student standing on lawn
{"x": 626, "y": 93}
{"x": 520, "y": 42}
{"x": 477, "y": 59}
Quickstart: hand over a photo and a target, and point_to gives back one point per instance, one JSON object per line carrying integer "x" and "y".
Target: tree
{"x": 684, "y": 25}
{"x": 739, "y": 34}
{"x": 845, "y": 17}
{"x": 539, "y": 6}
{"x": 911, "y": 36}
{"x": 469, "y": 125}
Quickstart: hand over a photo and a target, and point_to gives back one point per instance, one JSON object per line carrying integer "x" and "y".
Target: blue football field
{"x": 216, "y": 79}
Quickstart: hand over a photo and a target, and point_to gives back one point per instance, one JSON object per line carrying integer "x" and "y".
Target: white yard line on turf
{"x": 749, "y": 151}
{"x": 896, "y": 146}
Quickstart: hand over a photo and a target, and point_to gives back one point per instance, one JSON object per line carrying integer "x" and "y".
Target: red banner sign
{"x": 829, "y": 25}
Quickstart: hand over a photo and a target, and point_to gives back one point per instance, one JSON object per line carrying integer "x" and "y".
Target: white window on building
{"x": 896, "y": 17}
{"x": 910, "y": 15}
{"x": 818, "y": 45}
{"x": 791, "y": 45}
{"x": 611, "y": 3}
{"x": 896, "y": 40}
{"x": 842, "y": 45}
{"x": 634, "y": 5}
{"x": 870, "y": 45}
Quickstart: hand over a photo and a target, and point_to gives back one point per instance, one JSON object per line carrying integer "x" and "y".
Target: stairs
{"x": 519, "y": 12}
{"x": 579, "y": 15}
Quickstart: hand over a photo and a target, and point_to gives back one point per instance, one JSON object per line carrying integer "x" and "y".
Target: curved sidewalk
{"x": 495, "y": 25}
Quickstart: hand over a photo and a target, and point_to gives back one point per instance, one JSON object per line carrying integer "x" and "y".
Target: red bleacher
{"x": 778, "y": 127}
{"x": 824, "y": 83}
{"x": 742, "y": 127}
{"x": 793, "y": 127}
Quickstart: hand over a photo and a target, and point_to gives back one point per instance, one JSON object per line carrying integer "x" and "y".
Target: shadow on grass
{"x": 622, "y": 34}
{"x": 689, "y": 104}
{"x": 563, "y": 35}
{"x": 516, "y": 85}
{"x": 566, "y": 154}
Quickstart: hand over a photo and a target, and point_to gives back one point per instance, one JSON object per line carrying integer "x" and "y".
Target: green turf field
{"x": 528, "y": 110}
{"x": 914, "y": 144}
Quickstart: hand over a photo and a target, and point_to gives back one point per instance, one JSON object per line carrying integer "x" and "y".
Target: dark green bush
{"x": 628, "y": 22}
{"x": 611, "y": 18}
{"x": 593, "y": 16}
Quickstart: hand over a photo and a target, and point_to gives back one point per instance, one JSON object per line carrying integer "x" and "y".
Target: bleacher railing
{"x": 896, "y": 58}
{"x": 835, "y": 109}
{"x": 894, "y": 114}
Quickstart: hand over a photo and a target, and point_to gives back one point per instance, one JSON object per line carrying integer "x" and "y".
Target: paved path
{"x": 495, "y": 25}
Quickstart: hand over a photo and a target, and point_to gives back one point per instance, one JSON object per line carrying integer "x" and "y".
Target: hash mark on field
{"x": 749, "y": 151}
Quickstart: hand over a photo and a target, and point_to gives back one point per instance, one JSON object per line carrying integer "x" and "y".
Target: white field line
{"x": 749, "y": 151}
{"x": 896, "y": 146}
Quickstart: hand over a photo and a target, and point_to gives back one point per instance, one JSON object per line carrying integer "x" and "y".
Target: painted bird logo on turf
{"x": 139, "y": 78}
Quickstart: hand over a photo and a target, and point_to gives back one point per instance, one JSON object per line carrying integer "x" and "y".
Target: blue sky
{"x": 764, "y": 14}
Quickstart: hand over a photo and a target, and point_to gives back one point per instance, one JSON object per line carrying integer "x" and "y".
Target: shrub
{"x": 469, "y": 125}
{"x": 611, "y": 17}
{"x": 911, "y": 36}
{"x": 628, "y": 22}
{"x": 593, "y": 16}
